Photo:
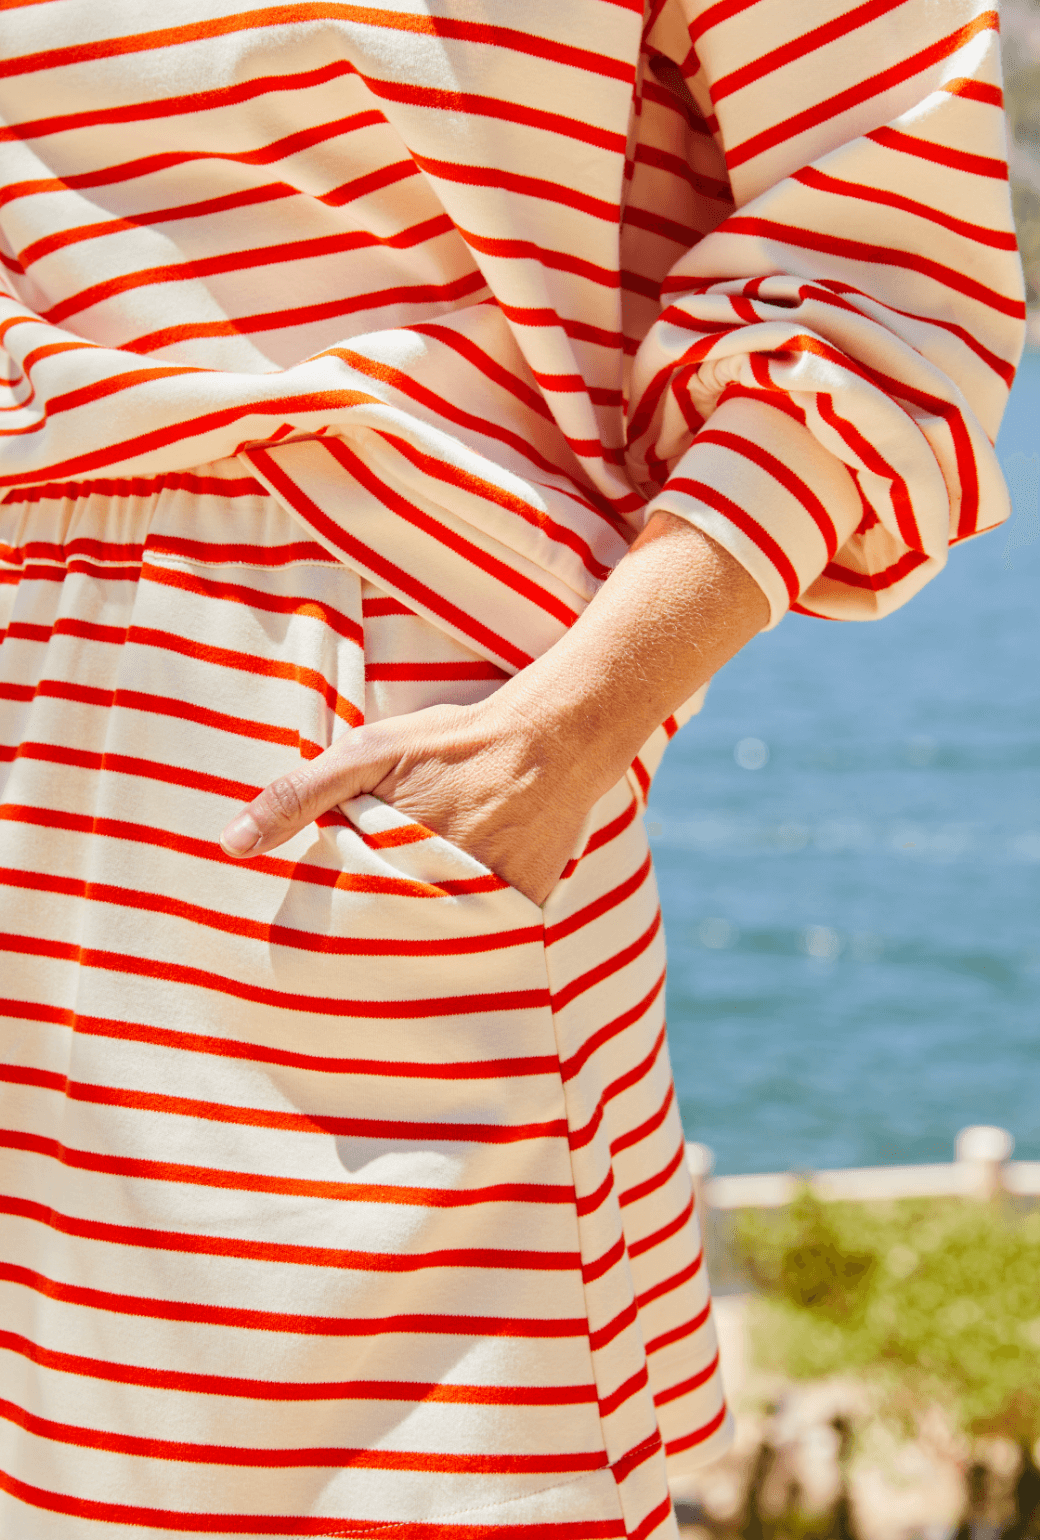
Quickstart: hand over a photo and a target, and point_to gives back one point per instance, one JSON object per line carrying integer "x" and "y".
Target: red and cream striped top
{"x": 475, "y": 285}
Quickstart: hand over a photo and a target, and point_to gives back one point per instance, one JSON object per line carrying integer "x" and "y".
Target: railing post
{"x": 984, "y": 1151}
{"x": 700, "y": 1160}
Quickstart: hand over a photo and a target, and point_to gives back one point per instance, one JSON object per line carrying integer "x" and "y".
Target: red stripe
{"x": 231, "y": 1048}
{"x": 256, "y": 930}
{"x": 589, "y": 1202}
{"x": 940, "y": 154}
{"x": 579, "y": 1137}
{"x": 558, "y": 261}
{"x": 476, "y": 105}
{"x": 656, "y": 1517}
{"x": 273, "y": 935}
{"x": 269, "y": 1458}
{"x": 484, "y": 1257}
{"x": 257, "y": 598}
{"x": 211, "y": 551}
{"x": 705, "y": 186}
{"x": 975, "y": 90}
{"x": 241, "y": 260}
{"x": 829, "y": 292}
{"x": 98, "y": 391}
{"x": 285, "y": 1122}
{"x": 876, "y": 582}
{"x": 605, "y": 1334}
{"x": 578, "y": 330}
{"x": 603, "y": 836}
{"x": 209, "y": 850}
{"x": 631, "y": 1461}
{"x": 902, "y": 504}
{"x": 656, "y": 1119}
{"x": 454, "y": 476}
{"x": 590, "y": 1271}
{"x": 798, "y": 47}
{"x": 148, "y": 486}
{"x": 664, "y": 1233}
{"x": 515, "y": 182}
{"x": 238, "y": 1319}
{"x": 268, "y": 1524}
{"x": 387, "y": 571}
{"x": 780, "y": 472}
{"x": 384, "y": 606}
{"x": 875, "y": 85}
{"x": 61, "y": 239}
{"x": 437, "y": 294}
{"x": 479, "y": 33}
{"x": 298, "y": 1187}
{"x": 396, "y": 503}
{"x": 715, "y": 15}
{"x": 150, "y": 165}
{"x": 124, "y": 764}
{"x": 296, "y": 1390}
{"x": 678, "y": 1333}
{"x": 608, "y": 967}
{"x": 449, "y": 411}
{"x": 747, "y": 526}
{"x": 168, "y": 707}
{"x": 327, "y": 403}
{"x": 637, "y": 1382}
{"x": 279, "y": 999}
{"x": 653, "y": 1183}
{"x": 171, "y": 106}
{"x": 686, "y": 1386}
{"x": 821, "y": 181}
{"x": 599, "y": 906}
{"x": 677, "y": 1445}
{"x": 572, "y": 1066}
{"x": 669, "y": 1285}
{"x": 876, "y": 256}
{"x": 245, "y": 662}
{"x": 402, "y": 672}
{"x": 641, "y": 774}
{"x": 492, "y": 370}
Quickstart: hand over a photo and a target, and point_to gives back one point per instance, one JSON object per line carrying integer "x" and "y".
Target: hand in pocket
{"x": 482, "y": 776}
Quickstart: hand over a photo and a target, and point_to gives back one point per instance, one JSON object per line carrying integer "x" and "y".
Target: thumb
{"x": 354, "y": 764}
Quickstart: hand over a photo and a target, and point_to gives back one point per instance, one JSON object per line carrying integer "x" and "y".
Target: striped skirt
{"x": 342, "y": 1189}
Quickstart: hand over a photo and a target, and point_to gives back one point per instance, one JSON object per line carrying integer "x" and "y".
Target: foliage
{"x": 935, "y": 1301}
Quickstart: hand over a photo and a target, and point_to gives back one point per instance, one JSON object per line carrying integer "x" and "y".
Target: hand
{"x": 483, "y": 776}
{"x": 511, "y": 779}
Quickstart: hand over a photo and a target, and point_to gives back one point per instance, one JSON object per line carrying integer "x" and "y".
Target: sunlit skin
{"x": 512, "y": 778}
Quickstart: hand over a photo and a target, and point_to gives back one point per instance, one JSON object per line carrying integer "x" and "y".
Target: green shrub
{"x": 934, "y": 1301}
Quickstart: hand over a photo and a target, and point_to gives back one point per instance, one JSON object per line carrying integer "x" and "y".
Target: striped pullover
{"x": 345, "y": 350}
{"x": 503, "y": 280}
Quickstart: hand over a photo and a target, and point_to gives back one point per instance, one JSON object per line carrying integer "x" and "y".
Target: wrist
{"x": 565, "y": 729}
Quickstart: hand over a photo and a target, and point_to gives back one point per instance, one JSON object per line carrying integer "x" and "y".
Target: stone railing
{"x": 982, "y": 1168}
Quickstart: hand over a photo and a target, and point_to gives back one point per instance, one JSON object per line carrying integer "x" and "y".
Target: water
{"x": 854, "y": 924}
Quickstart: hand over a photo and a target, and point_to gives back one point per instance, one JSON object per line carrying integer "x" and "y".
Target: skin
{"x": 512, "y": 778}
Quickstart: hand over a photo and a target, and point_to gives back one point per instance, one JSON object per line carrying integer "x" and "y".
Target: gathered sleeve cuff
{"x": 822, "y": 388}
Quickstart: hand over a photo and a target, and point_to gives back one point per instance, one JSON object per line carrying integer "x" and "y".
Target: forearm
{"x": 512, "y": 778}
{"x": 673, "y": 611}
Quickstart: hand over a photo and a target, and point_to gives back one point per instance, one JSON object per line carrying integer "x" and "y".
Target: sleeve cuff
{"x": 760, "y": 484}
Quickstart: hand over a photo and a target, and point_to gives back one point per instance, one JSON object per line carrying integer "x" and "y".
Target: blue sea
{"x": 848, "y": 848}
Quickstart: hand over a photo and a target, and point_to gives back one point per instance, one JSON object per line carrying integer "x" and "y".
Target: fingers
{"x": 351, "y": 766}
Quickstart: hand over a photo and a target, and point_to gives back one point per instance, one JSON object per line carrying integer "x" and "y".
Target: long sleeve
{"x": 822, "y": 388}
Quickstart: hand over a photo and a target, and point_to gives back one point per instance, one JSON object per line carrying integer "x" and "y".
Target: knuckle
{"x": 283, "y": 801}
